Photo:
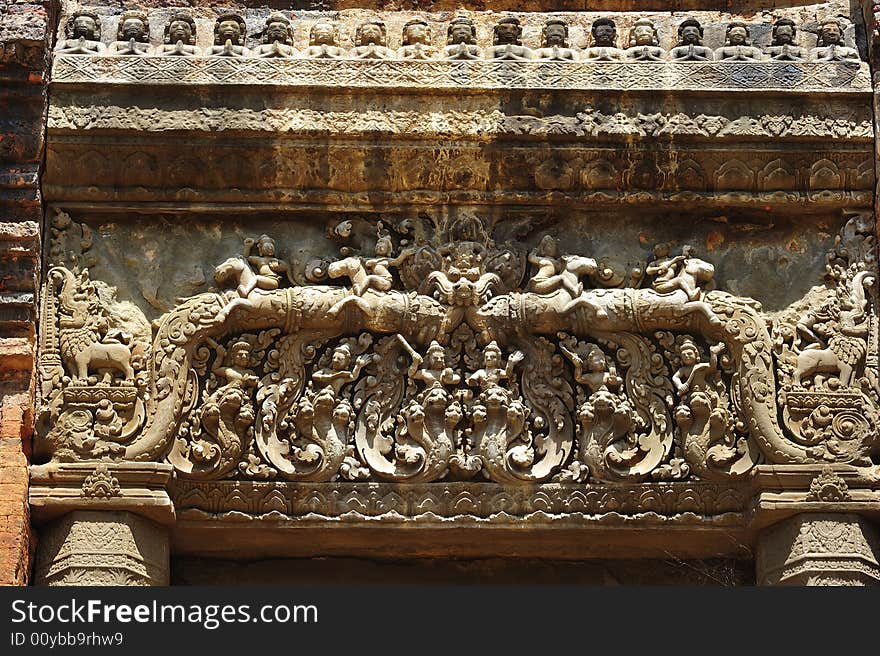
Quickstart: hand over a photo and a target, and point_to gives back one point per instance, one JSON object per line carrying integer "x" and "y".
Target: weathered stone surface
{"x": 102, "y": 548}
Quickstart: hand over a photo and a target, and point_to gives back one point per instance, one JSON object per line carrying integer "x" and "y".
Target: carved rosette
{"x": 439, "y": 354}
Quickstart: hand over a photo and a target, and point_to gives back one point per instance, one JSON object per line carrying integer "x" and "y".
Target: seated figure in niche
{"x": 277, "y": 38}
{"x": 180, "y": 37}
{"x": 555, "y": 42}
{"x": 508, "y": 42}
{"x": 371, "y": 41}
{"x": 416, "y": 41}
{"x": 461, "y": 40}
{"x": 229, "y": 35}
{"x": 323, "y": 42}
{"x": 690, "y": 43}
{"x": 644, "y": 43}
{"x": 83, "y": 33}
{"x": 783, "y": 47}
{"x": 604, "y": 32}
{"x": 830, "y": 45}
{"x": 132, "y": 35}
{"x": 738, "y": 45}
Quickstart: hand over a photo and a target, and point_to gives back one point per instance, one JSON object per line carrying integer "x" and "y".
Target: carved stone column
{"x": 819, "y": 549}
{"x": 102, "y": 548}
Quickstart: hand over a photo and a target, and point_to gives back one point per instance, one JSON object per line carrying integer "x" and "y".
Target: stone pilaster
{"x": 102, "y": 548}
{"x": 819, "y": 549}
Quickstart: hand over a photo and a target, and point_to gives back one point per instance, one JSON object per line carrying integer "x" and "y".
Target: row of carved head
{"x": 230, "y": 31}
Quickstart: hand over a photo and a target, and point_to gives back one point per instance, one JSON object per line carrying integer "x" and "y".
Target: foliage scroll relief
{"x": 441, "y": 352}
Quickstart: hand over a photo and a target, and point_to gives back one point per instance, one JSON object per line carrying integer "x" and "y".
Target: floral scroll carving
{"x": 437, "y": 352}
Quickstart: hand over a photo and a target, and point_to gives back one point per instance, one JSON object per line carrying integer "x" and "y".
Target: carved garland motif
{"x": 435, "y": 361}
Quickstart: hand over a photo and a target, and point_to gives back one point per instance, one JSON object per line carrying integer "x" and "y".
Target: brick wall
{"x": 23, "y": 66}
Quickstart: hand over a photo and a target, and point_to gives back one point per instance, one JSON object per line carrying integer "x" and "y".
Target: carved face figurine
{"x": 266, "y": 246}
{"x": 371, "y": 33}
{"x": 492, "y": 356}
{"x": 737, "y": 34}
{"x": 690, "y": 33}
{"x": 436, "y": 357}
{"x": 555, "y": 34}
{"x": 341, "y": 358}
{"x": 830, "y": 34}
{"x": 604, "y": 32}
{"x": 784, "y": 32}
{"x": 322, "y": 34}
{"x": 133, "y": 25}
{"x": 278, "y": 30}
{"x": 181, "y": 29}
{"x": 229, "y": 27}
{"x": 384, "y": 246}
{"x": 461, "y": 30}
{"x": 596, "y": 361}
{"x": 240, "y": 355}
{"x": 688, "y": 353}
{"x": 85, "y": 26}
{"x": 508, "y": 31}
{"x": 416, "y": 31}
{"x": 643, "y": 33}
{"x": 548, "y": 247}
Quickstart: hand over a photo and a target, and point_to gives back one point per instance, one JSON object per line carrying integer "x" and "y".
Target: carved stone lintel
{"x": 819, "y": 549}
{"x": 102, "y": 548}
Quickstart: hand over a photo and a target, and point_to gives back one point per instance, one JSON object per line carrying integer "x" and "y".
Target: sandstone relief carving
{"x": 180, "y": 36}
{"x": 444, "y": 352}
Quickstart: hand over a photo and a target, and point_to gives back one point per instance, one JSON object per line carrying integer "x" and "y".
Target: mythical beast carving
{"x": 446, "y": 358}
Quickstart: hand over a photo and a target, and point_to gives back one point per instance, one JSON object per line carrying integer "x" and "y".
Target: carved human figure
{"x": 341, "y": 372}
{"x": 277, "y": 38}
{"x": 784, "y": 47}
{"x": 235, "y": 366}
{"x": 461, "y": 40}
{"x": 432, "y": 370}
{"x": 554, "y": 42}
{"x": 365, "y": 274}
{"x": 591, "y": 368}
{"x": 830, "y": 45}
{"x": 494, "y": 370}
{"x": 323, "y": 42}
{"x": 684, "y": 273}
{"x": 83, "y": 33}
{"x": 604, "y": 33}
{"x": 692, "y": 374}
{"x": 416, "y": 41}
{"x": 252, "y": 272}
{"x": 370, "y": 41}
{"x": 132, "y": 35}
{"x": 230, "y": 31}
{"x": 738, "y": 45}
{"x": 690, "y": 43}
{"x": 507, "y": 42}
{"x": 555, "y": 273}
{"x": 180, "y": 36}
{"x": 644, "y": 42}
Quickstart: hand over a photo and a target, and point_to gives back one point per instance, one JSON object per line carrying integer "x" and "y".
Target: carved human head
{"x": 229, "y": 27}
{"x": 491, "y": 354}
{"x": 436, "y": 357}
{"x": 323, "y": 33}
{"x": 688, "y": 352}
{"x": 595, "y": 359}
{"x": 461, "y": 30}
{"x": 266, "y": 246}
{"x": 555, "y": 33}
{"x": 549, "y": 246}
{"x": 830, "y": 33}
{"x": 133, "y": 24}
{"x": 737, "y": 34}
{"x": 508, "y": 31}
{"x": 278, "y": 29}
{"x": 240, "y": 353}
{"x": 372, "y": 32}
{"x": 341, "y": 358}
{"x": 643, "y": 33}
{"x": 416, "y": 31}
{"x": 690, "y": 32}
{"x": 784, "y": 32}
{"x": 384, "y": 246}
{"x": 180, "y": 27}
{"x": 84, "y": 25}
{"x": 604, "y": 32}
